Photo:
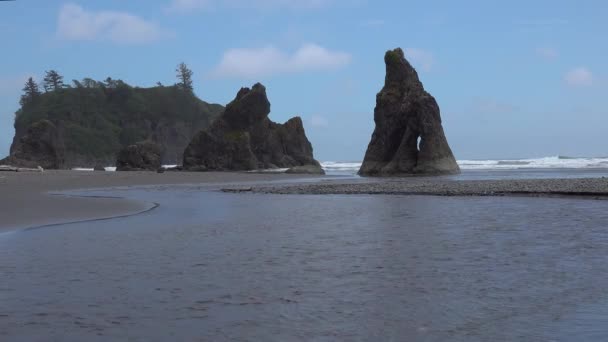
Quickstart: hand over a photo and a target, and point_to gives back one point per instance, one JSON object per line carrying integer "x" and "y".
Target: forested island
{"x": 87, "y": 122}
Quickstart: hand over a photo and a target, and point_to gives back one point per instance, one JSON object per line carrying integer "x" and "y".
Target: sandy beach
{"x": 29, "y": 199}
{"x": 22, "y": 191}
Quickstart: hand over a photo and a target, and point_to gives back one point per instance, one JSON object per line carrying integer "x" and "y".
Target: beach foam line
{"x": 553, "y": 162}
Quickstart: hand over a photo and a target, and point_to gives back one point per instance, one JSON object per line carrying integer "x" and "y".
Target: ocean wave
{"x": 554, "y": 162}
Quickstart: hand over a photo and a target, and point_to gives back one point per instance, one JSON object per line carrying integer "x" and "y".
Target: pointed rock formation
{"x": 409, "y": 137}
{"x": 243, "y": 138}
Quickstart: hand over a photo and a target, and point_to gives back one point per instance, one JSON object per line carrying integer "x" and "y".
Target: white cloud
{"x": 420, "y": 58}
{"x": 189, "y": 5}
{"x": 547, "y": 53}
{"x": 579, "y": 77}
{"x": 270, "y": 60}
{"x": 77, "y": 23}
{"x": 318, "y": 121}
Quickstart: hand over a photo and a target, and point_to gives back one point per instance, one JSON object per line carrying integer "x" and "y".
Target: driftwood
{"x": 20, "y": 169}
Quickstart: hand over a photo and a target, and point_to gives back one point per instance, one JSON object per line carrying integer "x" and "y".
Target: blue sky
{"x": 513, "y": 78}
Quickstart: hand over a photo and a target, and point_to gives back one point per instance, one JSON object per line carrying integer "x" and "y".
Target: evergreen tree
{"x": 185, "y": 77}
{"x": 52, "y": 81}
{"x": 110, "y": 83}
{"x": 90, "y": 83}
{"x": 30, "y": 92}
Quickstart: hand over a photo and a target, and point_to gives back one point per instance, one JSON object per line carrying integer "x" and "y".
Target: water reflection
{"x": 215, "y": 266}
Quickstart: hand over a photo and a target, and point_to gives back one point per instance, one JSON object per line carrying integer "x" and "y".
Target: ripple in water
{"x": 214, "y": 266}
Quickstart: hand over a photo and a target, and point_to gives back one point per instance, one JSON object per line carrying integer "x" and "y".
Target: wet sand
{"x": 31, "y": 199}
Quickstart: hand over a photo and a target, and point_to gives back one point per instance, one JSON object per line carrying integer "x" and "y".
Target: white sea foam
{"x": 269, "y": 171}
{"x": 90, "y": 169}
{"x": 556, "y": 162}
{"x": 111, "y": 168}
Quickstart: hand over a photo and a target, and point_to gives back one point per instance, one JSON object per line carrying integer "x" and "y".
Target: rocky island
{"x": 244, "y": 138}
{"x": 408, "y": 138}
{"x": 39, "y": 145}
{"x": 142, "y": 156}
{"x": 90, "y": 122}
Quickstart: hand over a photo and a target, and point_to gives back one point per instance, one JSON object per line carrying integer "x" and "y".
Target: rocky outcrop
{"x": 244, "y": 138}
{"x": 40, "y": 145}
{"x": 143, "y": 156}
{"x": 306, "y": 170}
{"x": 97, "y": 120}
{"x": 408, "y": 138}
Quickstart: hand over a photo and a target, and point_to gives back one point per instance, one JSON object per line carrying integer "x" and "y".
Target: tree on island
{"x": 110, "y": 83}
{"x": 185, "y": 77}
{"x": 31, "y": 92}
{"x": 52, "y": 81}
{"x": 90, "y": 83}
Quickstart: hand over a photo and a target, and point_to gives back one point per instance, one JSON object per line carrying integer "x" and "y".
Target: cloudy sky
{"x": 513, "y": 78}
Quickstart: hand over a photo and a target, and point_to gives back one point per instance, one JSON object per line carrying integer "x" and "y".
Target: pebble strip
{"x": 585, "y": 187}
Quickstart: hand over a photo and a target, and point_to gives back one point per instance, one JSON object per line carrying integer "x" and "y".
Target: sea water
{"x": 213, "y": 266}
{"x": 574, "y": 165}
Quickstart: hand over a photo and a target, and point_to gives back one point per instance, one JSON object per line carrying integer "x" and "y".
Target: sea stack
{"x": 244, "y": 138}
{"x": 40, "y": 145}
{"x": 142, "y": 156}
{"x": 408, "y": 138}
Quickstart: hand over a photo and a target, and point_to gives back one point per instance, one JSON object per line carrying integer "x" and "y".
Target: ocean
{"x": 544, "y": 163}
{"x": 213, "y": 266}
{"x": 554, "y": 167}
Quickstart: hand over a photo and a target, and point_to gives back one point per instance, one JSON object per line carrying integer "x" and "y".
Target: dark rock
{"x": 99, "y": 167}
{"x": 143, "y": 156}
{"x": 97, "y": 121}
{"x": 243, "y": 138}
{"x": 409, "y": 137}
{"x": 41, "y": 145}
{"x": 306, "y": 169}
{"x": 160, "y": 170}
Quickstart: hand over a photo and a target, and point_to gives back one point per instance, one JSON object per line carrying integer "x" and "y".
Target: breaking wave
{"x": 556, "y": 162}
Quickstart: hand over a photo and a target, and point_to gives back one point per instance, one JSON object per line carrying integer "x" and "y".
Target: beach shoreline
{"x": 62, "y": 197}
{"x": 32, "y": 199}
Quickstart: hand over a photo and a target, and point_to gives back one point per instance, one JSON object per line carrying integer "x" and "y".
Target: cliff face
{"x": 40, "y": 145}
{"x": 408, "y": 138}
{"x": 243, "y": 138}
{"x": 96, "y": 122}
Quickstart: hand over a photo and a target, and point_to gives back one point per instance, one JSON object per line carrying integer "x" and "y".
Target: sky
{"x": 513, "y": 79}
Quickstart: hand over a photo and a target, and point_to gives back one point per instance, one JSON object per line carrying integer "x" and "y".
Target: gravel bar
{"x": 585, "y": 187}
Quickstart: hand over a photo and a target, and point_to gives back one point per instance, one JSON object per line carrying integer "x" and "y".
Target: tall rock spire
{"x": 408, "y": 138}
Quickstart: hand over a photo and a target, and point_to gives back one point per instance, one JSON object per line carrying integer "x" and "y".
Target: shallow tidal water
{"x": 211, "y": 266}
